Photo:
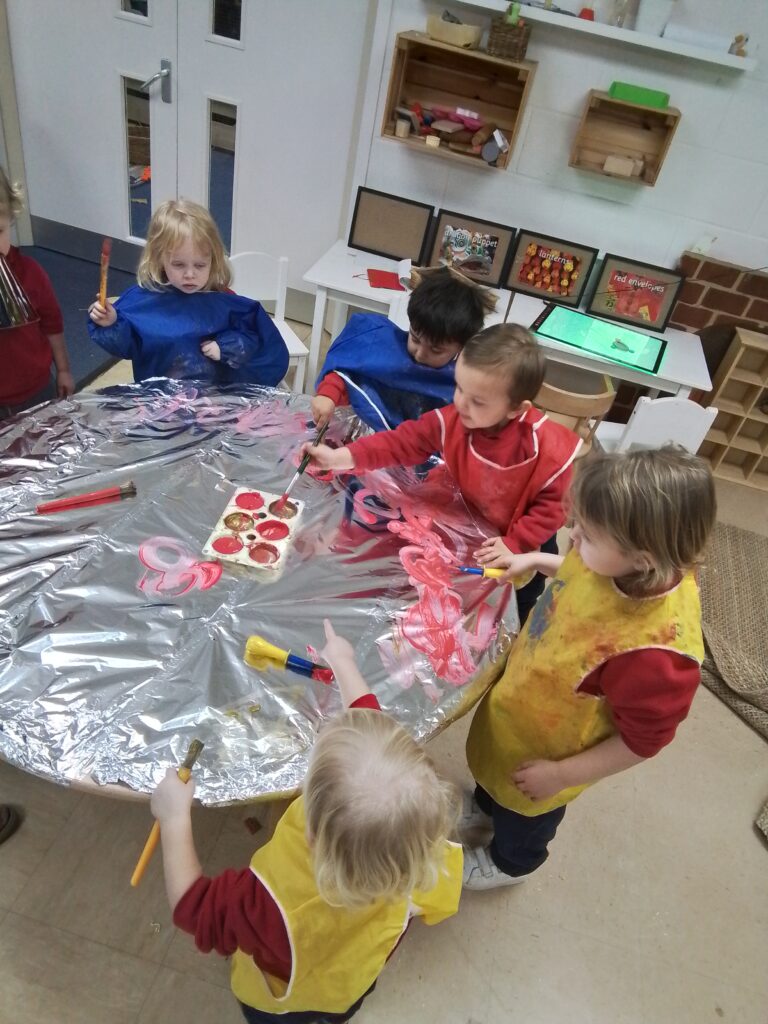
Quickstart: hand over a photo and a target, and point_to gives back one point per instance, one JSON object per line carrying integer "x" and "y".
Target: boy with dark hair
{"x": 389, "y": 375}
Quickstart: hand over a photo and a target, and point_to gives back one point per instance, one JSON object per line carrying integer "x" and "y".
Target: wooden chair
{"x": 576, "y": 398}
{"x": 260, "y": 276}
{"x": 658, "y": 421}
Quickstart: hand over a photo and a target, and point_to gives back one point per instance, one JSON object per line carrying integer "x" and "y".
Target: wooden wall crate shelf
{"x": 615, "y": 128}
{"x": 737, "y": 444}
{"x": 435, "y": 74}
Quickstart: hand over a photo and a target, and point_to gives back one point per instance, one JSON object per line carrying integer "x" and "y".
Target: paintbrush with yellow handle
{"x": 154, "y": 836}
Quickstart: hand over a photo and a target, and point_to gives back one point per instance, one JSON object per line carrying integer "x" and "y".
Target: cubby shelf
{"x": 737, "y": 444}
{"x": 438, "y": 76}
{"x": 638, "y": 134}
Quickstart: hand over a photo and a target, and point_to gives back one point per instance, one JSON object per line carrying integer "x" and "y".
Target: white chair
{"x": 260, "y": 276}
{"x": 658, "y": 421}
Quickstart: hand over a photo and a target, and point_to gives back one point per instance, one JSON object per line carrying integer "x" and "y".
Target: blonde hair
{"x": 659, "y": 502}
{"x": 377, "y": 813}
{"x": 11, "y": 196}
{"x": 511, "y": 350}
{"x": 173, "y": 223}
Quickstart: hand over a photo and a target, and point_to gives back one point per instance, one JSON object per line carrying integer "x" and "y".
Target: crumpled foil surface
{"x": 120, "y": 642}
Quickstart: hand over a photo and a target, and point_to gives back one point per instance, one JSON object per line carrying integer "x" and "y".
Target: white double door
{"x": 290, "y": 84}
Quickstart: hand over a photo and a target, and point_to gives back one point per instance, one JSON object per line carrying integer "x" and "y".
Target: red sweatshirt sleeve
{"x": 649, "y": 693}
{"x": 43, "y": 298}
{"x": 235, "y": 911}
{"x": 543, "y": 518}
{"x": 332, "y": 386}
{"x": 410, "y": 444}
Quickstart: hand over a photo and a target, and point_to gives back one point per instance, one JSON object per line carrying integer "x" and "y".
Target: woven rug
{"x": 734, "y": 597}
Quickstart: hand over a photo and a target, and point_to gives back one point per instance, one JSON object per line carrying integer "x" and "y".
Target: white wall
{"x": 715, "y": 178}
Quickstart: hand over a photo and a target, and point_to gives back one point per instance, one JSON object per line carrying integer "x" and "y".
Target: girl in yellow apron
{"x": 608, "y": 662}
{"x": 364, "y": 849}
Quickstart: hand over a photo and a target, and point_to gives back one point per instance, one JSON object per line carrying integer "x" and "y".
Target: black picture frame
{"x": 388, "y": 225}
{"x": 612, "y": 303}
{"x": 490, "y": 271}
{"x": 558, "y": 250}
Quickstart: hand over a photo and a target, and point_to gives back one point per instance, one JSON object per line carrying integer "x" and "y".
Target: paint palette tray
{"x": 250, "y": 532}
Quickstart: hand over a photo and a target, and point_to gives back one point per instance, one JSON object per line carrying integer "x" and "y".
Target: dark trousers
{"x": 528, "y": 595}
{"x": 254, "y": 1016}
{"x": 519, "y": 844}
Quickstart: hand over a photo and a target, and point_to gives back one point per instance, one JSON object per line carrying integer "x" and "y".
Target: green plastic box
{"x": 638, "y": 94}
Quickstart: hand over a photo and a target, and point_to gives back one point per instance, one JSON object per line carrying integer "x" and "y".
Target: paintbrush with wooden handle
{"x": 154, "y": 836}
{"x": 106, "y": 250}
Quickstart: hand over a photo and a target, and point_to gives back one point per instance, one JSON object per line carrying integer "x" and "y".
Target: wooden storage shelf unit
{"x": 737, "y": 444}
{"x": 615, "y": 128}
{"x": 435, "y": 74}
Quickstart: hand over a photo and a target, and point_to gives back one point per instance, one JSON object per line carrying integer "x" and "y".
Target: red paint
{"x": 250, "y": 500}
{"x": 272, "y": 530}
{"x": 227, "y": 545}
{"x": 264, "y": 554}
{"x": 322, "y": 675}
{"x": 284, "y": 510}
{"x": 178, "y": 575}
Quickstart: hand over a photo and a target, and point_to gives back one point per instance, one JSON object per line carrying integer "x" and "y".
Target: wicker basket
{"x": 510, "y": 41}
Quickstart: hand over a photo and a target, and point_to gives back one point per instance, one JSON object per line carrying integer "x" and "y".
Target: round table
{"x": 120, "y": 641}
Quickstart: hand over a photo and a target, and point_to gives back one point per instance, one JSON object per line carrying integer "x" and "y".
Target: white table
{"x": 340, "y": 276}
{"x": 683, "y": 367}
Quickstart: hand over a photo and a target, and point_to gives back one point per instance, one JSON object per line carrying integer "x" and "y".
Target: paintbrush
{"x": 302, "y": 466}
{"x": 106, "y": 249}
{"x": 151, "y": 844}
{"x": 102, "y": 497}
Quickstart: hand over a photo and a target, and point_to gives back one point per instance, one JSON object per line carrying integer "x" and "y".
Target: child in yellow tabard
{"x": 607, "y": 664}
{"x": 311, "y": 923}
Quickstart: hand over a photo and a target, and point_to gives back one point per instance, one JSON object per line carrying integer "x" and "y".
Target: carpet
{"x": 734, "y": 604}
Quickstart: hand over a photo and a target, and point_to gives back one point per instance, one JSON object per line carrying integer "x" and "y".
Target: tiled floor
{"x": 653, "y": 908}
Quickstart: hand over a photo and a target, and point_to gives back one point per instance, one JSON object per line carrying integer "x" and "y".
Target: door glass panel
{"x": 226, "y": 18}
{"x": 139, "y": 171}
{"x": 221, "y": 168}
{"x": 137, "y": 7}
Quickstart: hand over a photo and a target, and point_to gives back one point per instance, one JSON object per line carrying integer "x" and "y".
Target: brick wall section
{"x": 718, "y": 294}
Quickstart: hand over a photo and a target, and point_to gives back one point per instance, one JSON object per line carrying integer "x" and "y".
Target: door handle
{"x": 163, "y": 76}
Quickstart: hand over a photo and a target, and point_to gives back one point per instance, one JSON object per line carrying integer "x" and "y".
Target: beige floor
{"x": 653, "y": 908}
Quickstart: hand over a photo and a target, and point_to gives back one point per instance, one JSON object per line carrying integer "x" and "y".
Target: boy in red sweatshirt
{"x": 509, "y": 460}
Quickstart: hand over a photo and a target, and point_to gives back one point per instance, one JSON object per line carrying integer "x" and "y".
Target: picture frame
{"x": 631, "y": 292}
{"x": 550, "y": 268}
{"x": 477, "y": 248}
{"x": 390, "y": 225}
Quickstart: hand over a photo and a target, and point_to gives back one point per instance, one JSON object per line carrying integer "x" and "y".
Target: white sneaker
{"x": 471, "y": 815}
{"x": 481, "y": 873}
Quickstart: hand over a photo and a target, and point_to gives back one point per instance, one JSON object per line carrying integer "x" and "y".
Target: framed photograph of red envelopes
{"x": 477, "y": 248}
{"x": 389, "y": 225}
{"x": 634, "y": 293}
{"x": 549, "y": 268}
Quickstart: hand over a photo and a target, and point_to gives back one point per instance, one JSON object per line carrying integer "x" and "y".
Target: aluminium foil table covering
{"x": 120, "y": 642}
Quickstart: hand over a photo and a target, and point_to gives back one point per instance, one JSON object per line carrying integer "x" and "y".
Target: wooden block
{"x": 621, "y": 165}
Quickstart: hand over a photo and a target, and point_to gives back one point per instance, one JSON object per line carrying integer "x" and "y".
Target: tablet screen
{"x": 601, "y": 338}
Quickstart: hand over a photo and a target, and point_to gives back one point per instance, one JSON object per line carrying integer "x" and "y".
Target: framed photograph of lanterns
{"x": 477, "y": 248}
{"x": 634, "y": 293}
{"x": 550, "y": 268}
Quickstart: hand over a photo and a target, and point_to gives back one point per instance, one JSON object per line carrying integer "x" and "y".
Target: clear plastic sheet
{"x": 120, "y": 642}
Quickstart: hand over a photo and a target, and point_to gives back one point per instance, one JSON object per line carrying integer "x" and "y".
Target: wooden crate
{"x": 435, "y": 74}
{"x": 737, "y": 444}
{"x": 615, "y": 128}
